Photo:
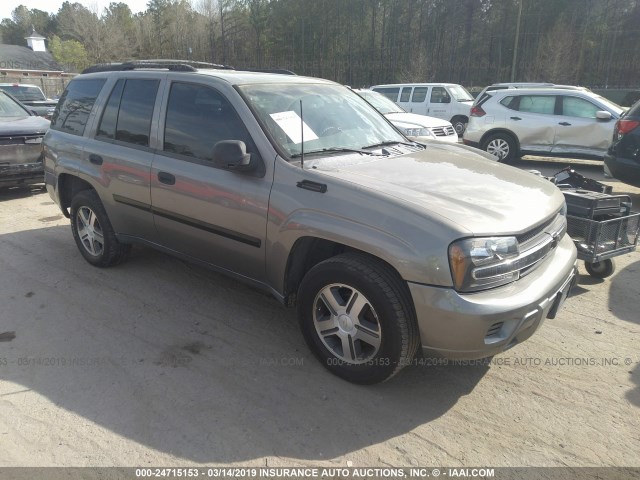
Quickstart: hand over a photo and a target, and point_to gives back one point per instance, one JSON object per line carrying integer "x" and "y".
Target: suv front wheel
{"x": 357, "y": 318}
{"x": 93, "y": 232}
{"x": 501, "y": 145}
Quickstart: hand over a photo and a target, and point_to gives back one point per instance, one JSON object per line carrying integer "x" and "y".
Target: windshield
{"x": 380, "y": 102}
{"x": 9, "y": 108}
{"x": 460, "y": 93}
{"x": 334, "y": 117}
{"x": 23, "y": 93}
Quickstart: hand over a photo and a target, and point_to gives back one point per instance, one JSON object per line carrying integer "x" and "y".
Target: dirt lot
{"x": 158, "y": 362}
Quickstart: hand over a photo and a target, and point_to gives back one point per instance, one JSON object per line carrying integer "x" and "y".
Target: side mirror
{"x": 33, "y": 113}
{"x": 446, "y": 99}
{"x": 603, "y": 115}
{"x": 232, "y": 155}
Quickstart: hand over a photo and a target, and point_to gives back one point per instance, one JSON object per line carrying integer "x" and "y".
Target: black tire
{"x": 502, "y": 145}
{"x": 388, "y": 309}
{"x": 112, "y": 251}
{"x": 459, "y": 124}
{"x": 602, "y": 269}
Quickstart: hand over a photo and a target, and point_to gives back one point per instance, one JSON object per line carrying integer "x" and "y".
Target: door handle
{"x": 515, "y": 118}
{"x": 166, "y": 178}
{"x": 95, "y": 159}
{"x": 564, "y": 124}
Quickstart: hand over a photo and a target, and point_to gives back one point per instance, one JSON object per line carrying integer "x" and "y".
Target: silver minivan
{"x": 448, "y": 101}
{"x": 542, "y": 121}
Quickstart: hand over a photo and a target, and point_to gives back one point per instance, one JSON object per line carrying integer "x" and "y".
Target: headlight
{"x": 418, "y": 132}
{"x": 481, "y": 263}
{"x": 563, "y": 210}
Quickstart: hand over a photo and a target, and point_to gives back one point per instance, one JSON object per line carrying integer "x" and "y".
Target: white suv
{"x": 542, "y": 121}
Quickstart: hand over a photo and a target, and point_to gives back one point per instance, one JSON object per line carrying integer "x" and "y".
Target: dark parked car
{"x": 32, "y": 97}
{"x": 622, "y": 160}
{"x": 21, "y": 135}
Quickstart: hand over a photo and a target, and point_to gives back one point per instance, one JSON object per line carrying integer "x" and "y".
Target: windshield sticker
{"x": 290, "y": 123}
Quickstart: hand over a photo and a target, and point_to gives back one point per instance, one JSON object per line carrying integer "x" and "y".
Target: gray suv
{"x": 299, "y": 187}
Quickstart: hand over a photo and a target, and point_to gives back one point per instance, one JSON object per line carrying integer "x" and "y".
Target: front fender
{"x": 398, "y": 233}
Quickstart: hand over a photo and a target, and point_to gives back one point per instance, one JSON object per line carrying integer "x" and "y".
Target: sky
{"x": 52, "y": 6}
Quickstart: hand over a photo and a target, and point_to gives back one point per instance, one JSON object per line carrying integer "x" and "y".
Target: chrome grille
{"x": 19, "y": 139}
{"x": 443, "y": 131}
{"x": 533, "y": 250}
{"x": 534, "y": 232}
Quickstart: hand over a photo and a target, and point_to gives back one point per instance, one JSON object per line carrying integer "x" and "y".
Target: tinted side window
{"x": 406, "y": 93}
{"x": 538, "y": 104}
{"x": 390, "y": 92}
{"x": 107, "y": 127}
{"x": 197, "y": 118}
{"x": 510, "y": 102}
{"x": 136, "y": 110}
{"x": 72, "y": 111}
{"x": 419, "y": 94}
{"x": 577, "y": 107}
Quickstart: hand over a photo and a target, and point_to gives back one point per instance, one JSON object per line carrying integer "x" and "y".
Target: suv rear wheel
{"x": 93, "y": 232}
{"x": 356, "y": 317}
{"x": 501, "y": 145}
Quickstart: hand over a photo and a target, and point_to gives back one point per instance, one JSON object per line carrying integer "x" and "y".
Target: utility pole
{"x": 515, "y": 44}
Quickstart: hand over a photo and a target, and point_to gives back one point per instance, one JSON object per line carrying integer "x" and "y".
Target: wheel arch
{"x": 503, "y": 131}
{"x": 68, "y": 186}
{"x": 308, "y": 252}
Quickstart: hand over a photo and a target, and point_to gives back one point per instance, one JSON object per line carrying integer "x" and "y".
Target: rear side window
{"x": 419, "y": 94}
{"x": 75, "y": 105}
{"x": 578, "y": 107}
{"x": 406, "y": 94}
{"x": 440, "y": 95}
{"x": 545, "y": 104}
{"x": 510, "y": 102}
{"x": 107, "y": 127}
{"x": 129, "y": 110}
{"x": 390, "y": 92}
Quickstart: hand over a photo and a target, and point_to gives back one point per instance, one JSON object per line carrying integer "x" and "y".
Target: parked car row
{"x": 414, "y": 126}
{"x": 447, "y": 101}
{"x": 508, "y": 120}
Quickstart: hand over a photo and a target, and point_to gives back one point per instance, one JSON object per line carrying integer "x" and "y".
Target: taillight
{"x": 477, "y": 111}
{"x": 625, "y": 126}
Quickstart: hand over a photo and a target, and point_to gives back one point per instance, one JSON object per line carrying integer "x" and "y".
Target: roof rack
{"x": 169, "y": 64}
{"x": 281, "y": 71}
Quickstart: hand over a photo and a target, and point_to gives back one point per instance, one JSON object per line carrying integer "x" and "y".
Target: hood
{"x": 413, "y": 120}
{"x": 27, "y": 125}
{"x": 480, "y": 196}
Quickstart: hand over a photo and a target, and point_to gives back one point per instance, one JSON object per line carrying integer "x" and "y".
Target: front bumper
{"x": 21, "y": 174}
{"x": 482, "y": 324}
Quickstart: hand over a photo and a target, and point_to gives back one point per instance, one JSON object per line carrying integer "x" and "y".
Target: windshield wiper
{"x": 386, "y": 144}
{"x": 336, "y": 149}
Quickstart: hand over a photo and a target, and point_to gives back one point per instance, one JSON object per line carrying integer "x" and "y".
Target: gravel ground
{"x": 158, "y": 362}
